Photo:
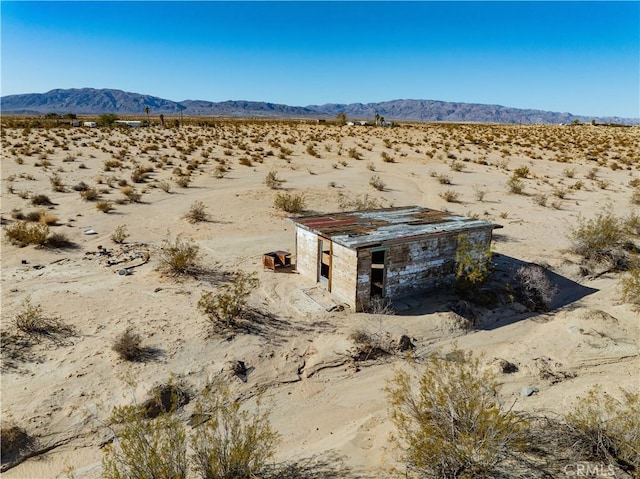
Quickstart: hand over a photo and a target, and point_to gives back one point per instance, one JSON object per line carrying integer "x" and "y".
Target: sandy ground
{"x": 323, "y": 404}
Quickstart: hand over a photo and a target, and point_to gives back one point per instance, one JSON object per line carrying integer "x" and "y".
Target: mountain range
{"x": 85, "y": 101}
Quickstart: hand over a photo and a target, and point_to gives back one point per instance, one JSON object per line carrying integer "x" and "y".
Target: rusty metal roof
{"x": 357, "y": 229}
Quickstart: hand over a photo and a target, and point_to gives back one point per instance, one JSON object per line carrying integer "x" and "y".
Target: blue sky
{"x": 577, "y": 57}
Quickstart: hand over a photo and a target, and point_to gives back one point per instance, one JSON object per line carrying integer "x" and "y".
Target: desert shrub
{"x": 291, "y": 203}
{"x": 592, "y": 174}
{"x": 179, "y": 256}
{"x": 144, "y": 448}
{"x": 220, "y": 171}
{"x": 540, "y": 199}
{"x": 56, "y": 183}
{"x": 14, "y": 441}
{"x": 450, "y": 423}
{"x": 233, "y": 443}
{"x": 23, "y": 234}
{"x": 379, "y": 305}
{"x": 387, "y": 158}
{"x": 312, "y": 151}
{"x": 456, "y": 165}
{"x": 443, "y": 179}
{"x": 377, "y": 182}
{"x": 90, "y": 194}
{"x": 515, "y": 185}
{"x": 31, "y": 321}
{"x": 140, "y": 174}
{"x": 635, "y": 196}
{"x": 602, "y": 428}
{"x": 183, "y": 181}
{"x": 449, "y": 196}
{"x": 82, "y": 186}
{"x": 197, "y": 212}
{"x": 473, "y": 266}
{"x": 120, "y": 234}
{"x": 354, "y": 153}
{"x": 359, "y": 203}
{"x": 533, "y": 287}
{"x": 58, "y": 240}
{"x": 227, "y": 305}
{"x": 521, "y": 172}
{"x": 569, "y": 172}
{"x": 244, "y": 161}
{"x": 127, "y": 345}
{"x": 559, "y": 192}
{"x": 601, "y": 239}
{"x": 104, "y": 206}
{"x": 369, "y": 345}
{"x": 131, "y": 194}
{"x": 165, "y": 186}
{"x": 272, "y": 180}
{"x": 630, "y": 287}
{"x": 47, "y": 218}
{"x": 41, "y": 200}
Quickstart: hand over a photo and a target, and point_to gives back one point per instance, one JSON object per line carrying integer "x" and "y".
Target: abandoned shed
{"x": 389, "y": 253}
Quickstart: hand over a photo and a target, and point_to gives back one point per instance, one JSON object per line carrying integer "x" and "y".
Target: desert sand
{"x": 324, "y": 404}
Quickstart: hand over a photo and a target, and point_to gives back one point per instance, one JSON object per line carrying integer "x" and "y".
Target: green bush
{"x": 233, "y": 443}
{"x": 473, "y": 266}
{"x": 144, "y": 448}
{"x": 449, "y": 423}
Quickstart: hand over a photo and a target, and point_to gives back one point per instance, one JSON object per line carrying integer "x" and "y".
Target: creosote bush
{"x": 179, "y": 256}
{"x": 605, "y": 238}
{"x": 22, "y": 233}
{"x": 450, "y": 423}
{"x": 197, "y": 212}
{"x": 144, "y": 448}
{"x": 291, "y": 203}
{"x": 233, "y": 443}
{"x": 602, "y": 428}
{"x": 473, "y": 266}
{"x": 228, "y": 442}
{"x": 225, "y": 306}
{"x": 31, "y": 321}
{"x": 120, "y": 234}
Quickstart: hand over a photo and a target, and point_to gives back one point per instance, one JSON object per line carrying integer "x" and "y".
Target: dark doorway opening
{"x": 378, "y": 260}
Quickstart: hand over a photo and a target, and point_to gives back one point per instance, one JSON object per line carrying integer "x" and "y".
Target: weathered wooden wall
{"x": 417, "y": 265}
{"x": 307, "y": 253}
